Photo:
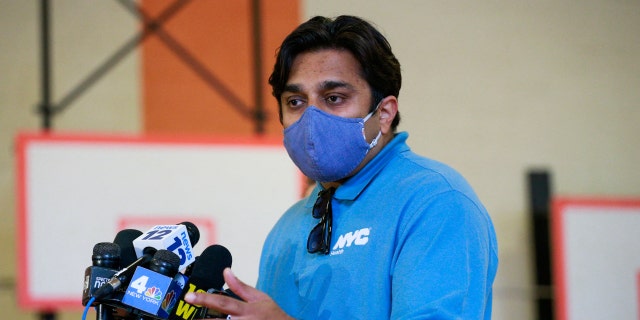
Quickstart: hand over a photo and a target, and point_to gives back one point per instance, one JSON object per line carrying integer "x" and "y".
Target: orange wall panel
{"x": 216, "y": 36}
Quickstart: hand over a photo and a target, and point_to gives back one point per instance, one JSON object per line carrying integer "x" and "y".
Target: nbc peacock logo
{"x": 169, "y": 301}
{"x": 154, "y": 293}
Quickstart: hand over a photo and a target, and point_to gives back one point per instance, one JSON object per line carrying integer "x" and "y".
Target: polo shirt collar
{"x": 351, "y": 188}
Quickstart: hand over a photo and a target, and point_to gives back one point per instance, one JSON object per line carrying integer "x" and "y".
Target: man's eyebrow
{"x": 330, "y": 84}
{"x": 292, "y": 88}
{"x": 326, "y": 85}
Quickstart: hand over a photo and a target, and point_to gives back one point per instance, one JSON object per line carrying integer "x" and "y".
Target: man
{"x": 386, "y": 234}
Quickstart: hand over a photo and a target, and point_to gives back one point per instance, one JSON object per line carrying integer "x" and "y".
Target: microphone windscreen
{"x": 165, "y": 262}
{"x": 106, "y": 248}
{"x": 106, "y": 254}
{"x": 207, "y": 269}
{"x": 192, "y": 231}
{"x": 124, "y": 239}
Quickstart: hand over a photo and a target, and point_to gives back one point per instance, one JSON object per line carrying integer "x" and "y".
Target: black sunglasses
{"x": 320, "y": 236}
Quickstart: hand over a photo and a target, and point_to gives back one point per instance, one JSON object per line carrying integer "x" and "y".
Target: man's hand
{"x": 256, "y": 304}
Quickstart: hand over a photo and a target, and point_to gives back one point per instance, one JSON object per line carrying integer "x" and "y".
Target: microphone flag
{"x": 174, "y": 238}
{"x": 153, "y": 292}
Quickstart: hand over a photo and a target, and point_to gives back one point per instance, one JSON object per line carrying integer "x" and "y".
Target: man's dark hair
{"x": 379, "y": 66}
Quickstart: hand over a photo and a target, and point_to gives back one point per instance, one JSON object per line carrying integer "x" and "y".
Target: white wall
{"x": 493, "y": 88}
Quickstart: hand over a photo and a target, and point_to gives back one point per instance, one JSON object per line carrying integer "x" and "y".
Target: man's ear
{"x": 388, "y": 109}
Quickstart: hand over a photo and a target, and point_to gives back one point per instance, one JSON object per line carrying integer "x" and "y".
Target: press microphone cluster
{"x": 146, "y": 275}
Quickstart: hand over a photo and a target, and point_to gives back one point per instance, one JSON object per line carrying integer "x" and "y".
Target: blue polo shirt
{"x": 410, "y": 240}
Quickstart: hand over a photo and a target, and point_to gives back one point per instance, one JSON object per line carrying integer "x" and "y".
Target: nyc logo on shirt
{"x": 356, "y": 238}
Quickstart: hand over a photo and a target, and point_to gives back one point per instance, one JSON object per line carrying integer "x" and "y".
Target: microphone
{"x": 151, "y": 287}
{"x": 125, "y": 239}
{"x": 106, "y": 260}
{"x": 178, "y": 238}
{"x": 206, "y": 276}
{"x": 106, "y": 254}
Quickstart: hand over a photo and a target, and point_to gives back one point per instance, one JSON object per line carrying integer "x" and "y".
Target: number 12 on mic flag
{"x": 174, "y": 238}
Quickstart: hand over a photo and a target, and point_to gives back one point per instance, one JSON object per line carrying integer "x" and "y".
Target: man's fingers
{"x": 217, "y": 302}
{"x": 253, "y": 303}
{"x": 244, "y": 291}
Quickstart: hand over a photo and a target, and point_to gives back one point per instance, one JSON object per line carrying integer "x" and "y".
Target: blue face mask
{"x": 326, "y": 147}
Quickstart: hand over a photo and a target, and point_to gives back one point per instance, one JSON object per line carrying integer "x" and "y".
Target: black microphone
{"x": 192, "y": 231}
{"x": 165, "y": 263}
{"x": 105, "y": 267}
{"x": 206, "y": 276}
{"x": 124, "y": 239}
{"x": 106, "y": 260}
{"x": 106, "y": 254}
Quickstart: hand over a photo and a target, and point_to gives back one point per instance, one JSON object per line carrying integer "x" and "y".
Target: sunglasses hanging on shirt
{"x": 320, "y": 236}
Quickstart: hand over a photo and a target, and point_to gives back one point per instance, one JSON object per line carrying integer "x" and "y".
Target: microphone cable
{"x": 86, "y": 308}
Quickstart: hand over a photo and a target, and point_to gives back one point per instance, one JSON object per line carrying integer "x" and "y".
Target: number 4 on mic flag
{"x": 154, "y": 293}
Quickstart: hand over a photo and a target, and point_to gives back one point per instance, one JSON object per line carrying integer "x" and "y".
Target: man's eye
{"x": 294, "y": 103}
{"x": 333, "y": 99}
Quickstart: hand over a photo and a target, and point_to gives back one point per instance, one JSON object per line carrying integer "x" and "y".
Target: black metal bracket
{"x": 540, "y": 193}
